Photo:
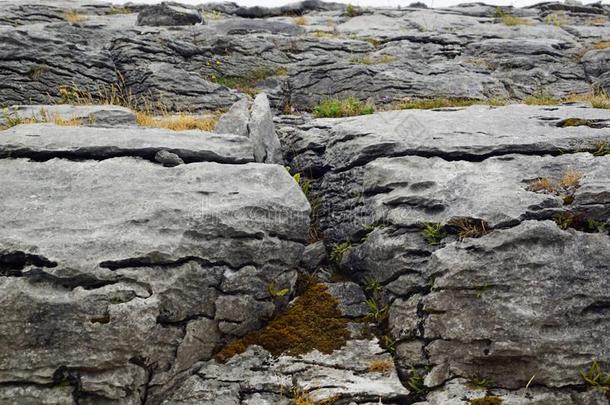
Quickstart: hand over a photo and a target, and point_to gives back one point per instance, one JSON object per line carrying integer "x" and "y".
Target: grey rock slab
{"x": 510, "y": 305}
{"x": 235, "y": 121}
{"x": 495, "y": 190}
{"x": 92, "y": 115}
{"x": 45, "y": 141}
{"x": 261, "y": 130}
{"x": 166, "y": 14}
{"x": 472, "y": 133}
{"x": 168, "y": 159}
{"x": 216, "y": 202}
{"x": 314, "y": 255}
{"x": 123, "y": 288}
{"x": 343, "y": 373}
{"x": 350, "y": 298}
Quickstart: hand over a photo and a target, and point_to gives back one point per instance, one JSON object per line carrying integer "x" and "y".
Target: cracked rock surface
{"x": 463, "y": 252}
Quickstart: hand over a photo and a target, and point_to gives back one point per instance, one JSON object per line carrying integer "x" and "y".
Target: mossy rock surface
{"x": 312, "y": 322}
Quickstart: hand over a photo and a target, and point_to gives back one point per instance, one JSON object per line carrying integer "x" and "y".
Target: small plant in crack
{"x": 389, "y": 344}
{"x": 469, "y": 227}
{"x": 381, "y": 366}
{"x": 373, "y": 287}
{"x": 434, "y": 233}
{"x": 597, "y": 378}
{"x": 601, "y": 149}
{"x": 415, "y": 382}
{"x": 276, "y": 292}
{"x": 339, "y": 251}
{"x": 565, "y": 187}
{"x": 580, "y": 222}
{"x": 377, "y": 312}
{"x": 479, "y": 382}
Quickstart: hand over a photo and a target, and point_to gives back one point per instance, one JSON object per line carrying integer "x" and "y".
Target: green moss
{"x": 313, "y": 321}
{"x": 334, "y": 108}
{"x": 431, "y": 103}
{"x": 480, "y": 383}
{"x": 486, "y": 401}
{"x": 352, "y": 11}
{"x": 118, "y": 10}
{"x": 247, "y": 83}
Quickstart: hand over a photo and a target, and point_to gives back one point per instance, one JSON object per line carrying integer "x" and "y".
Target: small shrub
{"x": 555, "y": 19}
{"x": 373, "y": 286}
{"x": 352, "y": 11}
{"x": 339, "y": 250}
{"x": 486, "y": 401}
{"x": 381, "y": 366}
{"x": 73, "y": 17}
{"x": 334, "y": 108}
{"x": 434, "y": 233}
{"x": 509, "y": 19}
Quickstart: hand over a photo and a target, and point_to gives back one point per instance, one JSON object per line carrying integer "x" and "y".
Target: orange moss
{"x": 313, "y": 321}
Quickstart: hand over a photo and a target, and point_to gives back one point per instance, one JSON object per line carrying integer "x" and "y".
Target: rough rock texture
{"x": 117, "y": 278}
{"x": 527, "y": 298}
{"x": 99, "y": 116}
{"x": 165, "y": 14}
{"x": 467, "y": 249}
{"x": 256, "y": 377}
{"x": 385, "y": 54}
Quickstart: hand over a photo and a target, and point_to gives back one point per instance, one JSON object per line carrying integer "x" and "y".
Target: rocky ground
{"x": 260, "y": 253}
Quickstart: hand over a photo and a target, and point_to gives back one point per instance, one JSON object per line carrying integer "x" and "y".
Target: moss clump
{"x": 334, "y": 108}
{"x": 313, "y": 321}
{"x": 486, "y": 401}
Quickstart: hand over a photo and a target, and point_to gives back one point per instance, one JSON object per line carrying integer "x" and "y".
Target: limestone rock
{"x": 262, "y": 133}
{"x": 99, "y": 116}
{"x": 235, "y": 121}
{"x": 166, "y": 14}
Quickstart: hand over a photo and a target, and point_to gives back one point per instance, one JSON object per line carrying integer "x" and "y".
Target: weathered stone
{"x": 235, "y": 121}
{"x": 360, "y": 371}
{"x": 168, "y": 159}
{"x": 94, "y": 115}
{"x": 117, "y": 295}
{"x": 262, "y": 134}
{"x": 350, "y": 298}
{"x": 314, "y": 255}
{"x": 46, "y": 141}
{"x": 166, "y": 14}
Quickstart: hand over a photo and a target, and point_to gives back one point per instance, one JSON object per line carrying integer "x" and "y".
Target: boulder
{"x": 261, "y": 130}
{"x": 166, "y": 14}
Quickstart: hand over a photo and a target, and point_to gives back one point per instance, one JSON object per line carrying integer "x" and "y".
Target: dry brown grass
{"x": 570, "y": 179}
{"x": 599, "y": 21}
{"x": 541, "y": 184}
{"x": 302, "y": 398}
{"x": 602, "y": 44}
{"x": 469, "y": 227}
{"x": 381, "y": 366}
{"x": 300, "y": 20}
{"x": 73, "y": 17}
{"x": 179, "y": 122}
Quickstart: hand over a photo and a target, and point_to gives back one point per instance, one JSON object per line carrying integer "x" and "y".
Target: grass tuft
{"x": 179, "y": 122}
{"x": 597, "y": 378}
{"x": 434, "y": 233}
{"x": 72, "y": 17}
{"x": 334, "y": 108}
{"x": 381, "y": 366}
{"x": 114, "y": 10}
{"x": 300, "y": 20}
{"x": 602, "y": 44}
{"x": 372, "y": 59}
{"x": 509, "y": 19}
{"x": 431, "y": 103}
{"x": 469, "y": 227}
